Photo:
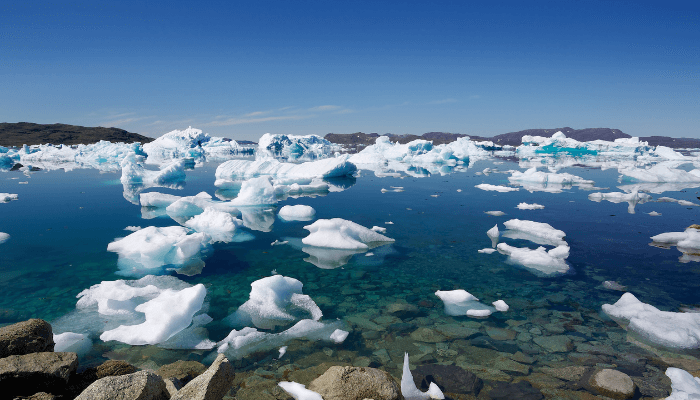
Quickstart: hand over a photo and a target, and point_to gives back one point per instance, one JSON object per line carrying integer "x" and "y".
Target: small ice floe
{"x": 133, "y": 228}
{"x": 369, "y": 254}
{"x": 654, "y": 214}
{"x": 493, "y": 234}
{"x": 299, "y": 391}
{"x": 409, "y": 389}
{"x": 538, "y": 181}
{"x": 487, "y": 251}
{"x": 537, "y": 232}
{"x": 4, "y": 237}
{"x": 687, "y": 242}
{"x": 388, "y": 223}
{"x": 459, "y": 190}
{"x": 496, "y": 188}
{"x": 396, "y": 189}
{"x": 338, "y": 233}
{"x": 379, "y": 229}
{"x": 540, "y": 260}
{"x": 297, "y": 213}
{"x": 7, "y": 197}
{"x": 23, "y": 183}
{"x": 632, "y": 199}
{"x": 684, "y": 386}
{"x": 526, "y": 206}
{"x": 500, "y": 305}
{"x": 665, "y": 328}
{"x": 279, "y": 243}
{"x": 434, "y": 195}
{"x": 460, "y": 302}
{"x": 273, "y": 301}
{"x": 495, "y": 213}
{"x": 613, "y": 285}
{"x": 219, "y": 225}
{"x": 672, "y": 200}
{"x": 283, "y": 351}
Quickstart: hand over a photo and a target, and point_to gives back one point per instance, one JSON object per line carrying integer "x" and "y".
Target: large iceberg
{"x": 103, "y": 155}
{"x": 559, "y": 143}
{"x": 191, "y": 143}
{"x": 665, "y": 328}
{"x": 295, "y": 148}
{"x": 338, "y": 233}
{"x": 136, "y": 177}
{"x": 233, "y": 170}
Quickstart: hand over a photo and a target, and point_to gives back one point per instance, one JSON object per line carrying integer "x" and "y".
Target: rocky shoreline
{"x": 30, "y": 369}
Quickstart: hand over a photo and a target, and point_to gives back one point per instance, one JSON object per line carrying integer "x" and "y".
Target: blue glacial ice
{"x": 295, "y": 148}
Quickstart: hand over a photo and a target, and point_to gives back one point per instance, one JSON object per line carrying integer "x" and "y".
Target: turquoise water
{"x": 63, "y": 221}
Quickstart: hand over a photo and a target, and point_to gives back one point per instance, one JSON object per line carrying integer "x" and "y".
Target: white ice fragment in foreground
{"x": 686, "y": 241}
{"x": 500, "y": 305}
{"x": 4, "y": 237}
{"x": 684, "y": 386}
{"x": 72, "y": 342}
{"x": 339, "y": 335}
{"x": 297, "y": 213}
{"x": 219, "y": 225}
{"x": 671, "y": 329}
{"x": 533, "y": 206}
{"x": 409, "y": 389}
{"x": 6, "y": 197}
{"x": 496, "y": 188}
{"x": 493, "y": 234}
{"x": 275, "y": 300}
{"x": 487, "y": 251}
{"x": 495, "y": 213}
{"x": 283, "y": 351}
{"x": 338, "y": 233}
{"x": 538, "y": 232}
{"x": 163, "y": 320}
{"x": 542, "y": 261}
{"x": 256, "y": 191}
{"x": 299, "y": 391}
{"x": 379, "y": 229}
{"x": 459, "y": 190}
{"x": 114, "y": 297}
{"x": 672, "y": 200}
{"x": 655, "y": 214}
{"x": 461, "y": 302}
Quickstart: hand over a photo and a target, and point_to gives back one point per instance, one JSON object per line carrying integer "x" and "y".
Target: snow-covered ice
{"x": 342, "y": 234}
{"x": 295, "y": 148}
{"x": 687, "y": 242}
{"x": 460, "y": 302}
{"x": 684, "y": 386}
{"x": 493, "y": 234}
{"x": 487, "y": 251}
{"x": 496, "y": 188}
{"x": 191, "y": 143}
{"x": 500, "y": 305}
{"x": 256, "y": 191}
{"x": 660, "y": 173}
{"x": 533, "y": 180}
{"x": 495, "y": 213}
{"x": 220, "y": 226}
{"x": 4, "y": 237}
{"x": 537, "y": 232}
{"x": 540, "y": 260}
{"x": 670, "y": 329}
{"x": 526, "y": 206}
{"x": 297, "y": 213}
{"x": 242, "y": 169}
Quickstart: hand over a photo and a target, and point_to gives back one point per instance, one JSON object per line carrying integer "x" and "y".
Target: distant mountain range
{"x": 20, "y": 133}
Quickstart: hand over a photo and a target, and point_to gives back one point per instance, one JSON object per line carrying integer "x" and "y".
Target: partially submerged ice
{"x": 526, "y": 206}
{"x": 299, "y": 391}
{"x": 632, "y": 199}
{"x": 136, "y": 177}
{"x": 220, "y": 226}
{"x": 496, "y": 188}
{"x": 410, "y": 391}
{"x": 559, "y": 143}
{"x": 275, "y": 300}
{"x": 684, "y": 386}
{"x": 460, "y": 302}
{"x": 338, "y": 233}
{"x": 687, "y": 242}
{"x": 665, "y": 328}
{"x": 295, "y": 148}
{"x": 533, "y": 180}
{"x": 191, "y": 143}
{"x": 150, "y": 249}
{"x": 233, "y": 170}
{"x": 537, "y": 232}
{"x": 297, "y": 213}
{"x": 540, "y": 261}
{"x": 660, "y": 173}
{"x": 103, "y": 156}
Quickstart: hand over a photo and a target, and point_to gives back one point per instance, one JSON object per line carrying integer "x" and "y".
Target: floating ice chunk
{"x": 409, "y": 391}
{"x": 278, "y": 243}
{"x": 191, "y": 143}
{"x": 7, "y": 197}
{"x": 660, "y": 173}
{"x": 275, "y": 300}
{"x": 256, "y": 191}
{"x": 495, "y": 213}
{"x": 103, "y": 155}
{"x": 219, "y": 225}
{"x": 493, "y": 234}
{"x": 681, "y": 202}
{"x": 296, "y": 148}
{"x": 500, "y": 305}
{"x": 547, "y": 181}
{"x": 379, "y": 229}
{"x": 459, "y": 190}
{"x": 152, "y": 247}
{"x": 633, "y": 198}
{"x": 537, "y": 232}
{"x": 339, "y": 336}
{"x": 297, "y": 213}
{"x": 687, "y": 242}
{"x": 162, "y": 319}
{"x": 327, "y": 168}
{"x": 342, "y": 234}
{"x": 72, "y": 342}
{"x": 114, "y": 297}
{"x": 684, "y": 386}
{"x": 182, "y": 208}
{"x": 487, "y": 251}
{"x": 612, "y": 285}
{"x": 461, "y": 302}
{"x": 157, "y": 200}
{"x": 389, "y": 223}
{"x": 533, "y": 206}
{"x": 654, "y": 214}
{"x": 540, "y": 260}
{"x": 133, "y": 228}
{"x": 238, "y": 344}
{"x": 4, "y": 237}
{"x": 194, "y": 336}
{"x": 283, "y": 351}
{"x": 327, "y": 258}
{"x": 299, "y": 391}
{"x": 670, "y": 329}
{"x": 133, "y": 172}
{"x": 496, "y": 188}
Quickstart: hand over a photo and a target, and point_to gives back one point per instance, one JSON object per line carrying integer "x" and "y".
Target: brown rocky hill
{"x": 20, "y": 133}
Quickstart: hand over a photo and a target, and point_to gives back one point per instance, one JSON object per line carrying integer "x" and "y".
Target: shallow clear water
{"x": 63, "y": 221}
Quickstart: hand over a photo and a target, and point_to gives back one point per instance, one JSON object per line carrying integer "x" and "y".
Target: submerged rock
{"x": 522, "y": 390}
{"x": 613, "y": 384}
{"x": 355, "y": 383}
{"x": 142, "y": 385}
{"x": 32, "y": 336}
{"x": 211, "y": 385}
{"x": 449, "y": 378}
{"x": 184, "y": 371}
{"x": 31, "y": 373}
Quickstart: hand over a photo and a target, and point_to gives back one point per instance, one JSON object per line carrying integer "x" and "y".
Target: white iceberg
{"x": 665, "y": 328}
{"x": 152, "y": 248}
{"x": 220, "y": 226}
{"x": 103, "y": 156}
{"x": 297, "y": 213}
{"x": 684, "y": 386}
{"x": 687, "y": 242}
{"x": 495, "y": 213}
{"x": 291, "y": 147}
{"x": 460, "y": 302}
{"x": 7, "y": 197}
{"x": 540, "y": 260}
{"x": 256, "y": 191}
{"x": 191, "y": 143}
{"x": 409, "y": 391}
{"x": 661, "y": 173}
{"x": 526, "y": 206}
{"x": 275, "y": 300}
{"x": 533, "y": 180}
{"x": 537, "y": 232}
{"x": 342, "y": 234}
{"x": 496, "y": 188}
{"x": 493, "y": 234}
{"x": 242, "y": 169}
{"x": 327, "y": 258}
{"x": 500, "y": 305}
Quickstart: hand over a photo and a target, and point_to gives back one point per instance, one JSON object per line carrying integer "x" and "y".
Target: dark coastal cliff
{"x": 20, "y": 133}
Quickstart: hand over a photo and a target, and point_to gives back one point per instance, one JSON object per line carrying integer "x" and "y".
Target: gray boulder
{"x": 114, "y": 368}
{"x": 36, "y": 372}
{"x": 613, "y": 384}
{"x": 213, "y": 384}
{"x": 184, "y": 371}
{"x": 32, "y": 336}
{"x": 356, "y": 383}
{"x": 142, "y": 385}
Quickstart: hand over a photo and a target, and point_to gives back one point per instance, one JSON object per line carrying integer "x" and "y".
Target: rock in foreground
{"x": 355, "y": 383}
{"x": 32, "y": 336}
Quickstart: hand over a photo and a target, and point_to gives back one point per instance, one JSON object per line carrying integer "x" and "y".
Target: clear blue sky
{"x": 240, "y": 69}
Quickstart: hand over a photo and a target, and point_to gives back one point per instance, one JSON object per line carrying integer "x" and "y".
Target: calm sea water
{"x": 63, "y": 221}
